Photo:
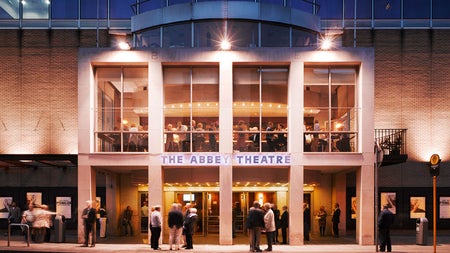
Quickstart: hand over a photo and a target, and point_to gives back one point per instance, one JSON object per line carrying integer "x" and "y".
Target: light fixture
{"x": 326, "y": 43}
{"x": 124, "y": 45}
{"x": 225, "y": 45}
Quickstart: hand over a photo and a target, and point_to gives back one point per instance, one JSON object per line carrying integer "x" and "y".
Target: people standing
{"x": 126, "y": 221}
{"x": 385, "y": 221}
{"x": 189, "y": 226}
{"x": 14, "y": 215}
{"x": 155, "y": 227}
{"x": 144, "y": 216}
{"x": 276, "y": 215}
{"x": 284, "y": 224}
{"x": 255, "y": 223}
{"x": 269, "y": 224}
{"x": 322, "y": 215}
{"x": 89, "y": 216}
{"x": 306, "y": 221}
{"x": 175, "y": 220}
{"x": 28, "y": 218}
{"x": 336, "y": 219}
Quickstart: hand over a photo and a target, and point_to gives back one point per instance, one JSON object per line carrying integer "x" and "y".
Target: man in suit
{"x": 89, "y": 218}
{"x": 385, "y": 221}
{"x": 336, "y": 219}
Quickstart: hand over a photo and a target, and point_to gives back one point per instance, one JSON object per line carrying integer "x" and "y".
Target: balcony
{"x": 393, "y": 143}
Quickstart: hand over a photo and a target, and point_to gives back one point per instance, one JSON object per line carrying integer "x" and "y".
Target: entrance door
{"x": 196, "y": 200}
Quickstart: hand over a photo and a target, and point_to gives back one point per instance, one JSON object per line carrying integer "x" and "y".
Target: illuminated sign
{"x": 210, "y": 159}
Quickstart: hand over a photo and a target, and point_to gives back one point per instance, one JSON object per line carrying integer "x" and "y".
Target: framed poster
{"x": 417, "y": 207}
{"x": 34, "y": 198}
{"x": 5, "y": 202}
{"x": 444, "y": 207}
{"x": 64, "y": 206}
{"x": 354, "y": 208}
{"x": 389, "y": 199}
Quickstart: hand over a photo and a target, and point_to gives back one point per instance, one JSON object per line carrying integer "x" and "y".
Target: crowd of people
{"x": 202, "y": 138}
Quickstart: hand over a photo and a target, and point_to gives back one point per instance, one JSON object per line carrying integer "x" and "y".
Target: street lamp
{"x": 435, "y": 161}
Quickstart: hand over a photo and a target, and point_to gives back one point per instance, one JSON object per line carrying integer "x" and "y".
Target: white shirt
{"x": 156, "y": 219}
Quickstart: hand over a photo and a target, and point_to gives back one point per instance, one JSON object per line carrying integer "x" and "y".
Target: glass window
{"x": 270, "y": 31}
{"x": 178, "y": 35}
{"x": 149, "y": 38}
{"x": 330, "y": 9}
{"x": 260, "y": 109}
{"x": 243, "y": 33}
{"x": 122, "y": 109}
{"x": 121, "y": 9}
{"x": 363, "y": 9}
{"x": 191, "y": 109}
{"x": 10, "y": 10}
{"x": 440, "y": 9}
{"x": 330, "y": 115}
{"x": 208, "y": 34}
{"x": 35, "y": 9}
{"x": 65, "y": 9}
{"x": 387, "y": 9}
{"x": 301, "y": 38}
{"x": 89, "y": 9}
{"x": 417, "y": 9}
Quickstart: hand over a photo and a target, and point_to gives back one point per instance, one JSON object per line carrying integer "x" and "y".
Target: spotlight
{"x": 326, "y": 43}
{"x": 225, "y": 45}
{"x": 124, "y": 46}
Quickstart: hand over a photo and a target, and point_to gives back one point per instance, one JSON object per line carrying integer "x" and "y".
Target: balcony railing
{"x": 393, "y": 143}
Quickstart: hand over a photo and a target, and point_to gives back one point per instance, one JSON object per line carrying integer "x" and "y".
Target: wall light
{"x": 326, "y": 43}
{"x": 124, "y": 45}
{"x": 225, "y": 45}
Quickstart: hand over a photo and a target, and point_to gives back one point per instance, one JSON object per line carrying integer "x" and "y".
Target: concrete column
{"x": 296, "y": 205}
{"x": 226, "y": 147}
{"x": 365, "y": 202}
{"x": 86, "y": 191}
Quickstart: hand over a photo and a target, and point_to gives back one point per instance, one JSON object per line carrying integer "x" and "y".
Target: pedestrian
{"x": 336, "y": 219}
{"x": 28, "y": 218}
{"x": 385, "y": 221}
{"x": 255, "y": 223}
{"x": 190, "y": 224}
{"x": 89, "y": 216}
{"x": 276, "y": 215}
{"x": 270, "y": 226}
{"x": 306, "y": 221}
{"x": 126, "y": 221}
{"x": 14, "y": 216}
{"x": 175, "y": 220}
{"x": 284, "y": 224}
{"x": 322, "y": 215}
{"x": 155, "y": 227}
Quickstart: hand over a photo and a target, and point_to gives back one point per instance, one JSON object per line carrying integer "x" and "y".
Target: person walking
{"x": 190, "y": 224}
{"x": 175, "y": 221}
{"x": 284, "y": 224}
{"x": 155, "y": 227}
{"x": 336, "y": 219}
{"x": 385, "y": 221}
{"x": 89, "y": 216}
{"x": 269, "y": 224}
{"x": 255, "y": 223}
{"x": 322, "y": 215}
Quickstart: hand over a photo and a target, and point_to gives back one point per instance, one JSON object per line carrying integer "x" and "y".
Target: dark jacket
{"x": 255, "y": 218}
{"x": 336, "y": 215}
{"x": 284, "y": 221}
{"x": 190, "y": 223}
{"x": 175, "y": 219}
{"x": 385, "y": 219}
{"x": 89, "y": 215}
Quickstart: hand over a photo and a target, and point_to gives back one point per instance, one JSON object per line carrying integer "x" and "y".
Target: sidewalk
{"x": 402, "y": 242}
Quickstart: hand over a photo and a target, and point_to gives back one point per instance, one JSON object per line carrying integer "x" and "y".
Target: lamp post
{"x": 434, "y": 171}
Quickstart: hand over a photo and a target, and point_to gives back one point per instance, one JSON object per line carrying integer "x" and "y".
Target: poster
{"x": 34, "y": 198}
{"x": 354, "y": 208}
{"x": 444, "y": 207}
{"x": 4, "y": 206}
{"x": 417, "y": 207}
{"x": 389, "y": 199}
{"x": 64, "y": 206}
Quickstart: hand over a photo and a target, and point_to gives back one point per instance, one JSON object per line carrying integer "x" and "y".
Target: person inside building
{"x": 284, "y": 224}
{"x": 306, "y": 221}
{"x": 336, "y": 219}
{"x": 322, "y": 217}
{"x": 270, "y": 137}
{"x": 126, "y": 221}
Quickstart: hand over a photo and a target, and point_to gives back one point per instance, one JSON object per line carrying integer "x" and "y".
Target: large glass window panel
{"x": 149, "y": 38}
{"x": 191, "y": 109}
{"x": 66, "y": 9}
{"x": 89, "y": 9}
{"x": 387, "y": 9}
{"x": 301, "y": 38}
{"x": 330, "y": 9}
{"x": 10, "y": 10}
{"x": 243, "y": 33}
{"x": 417, "y": 9}
{"x": 208, "y": 34}
{"x": 122, "y": 109}
{"x": 121, "y": 9}
{"x": 270, "y": 31}
{"x": 330, "y": 114}
{"x": 35, "y": 9}
{"x": 440, "y": 9}
{"x": 176, "y": 36}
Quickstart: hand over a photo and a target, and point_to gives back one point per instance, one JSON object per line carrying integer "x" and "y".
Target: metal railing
{"x": 392, "y": 141}
{"x": 27, "y": 228}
